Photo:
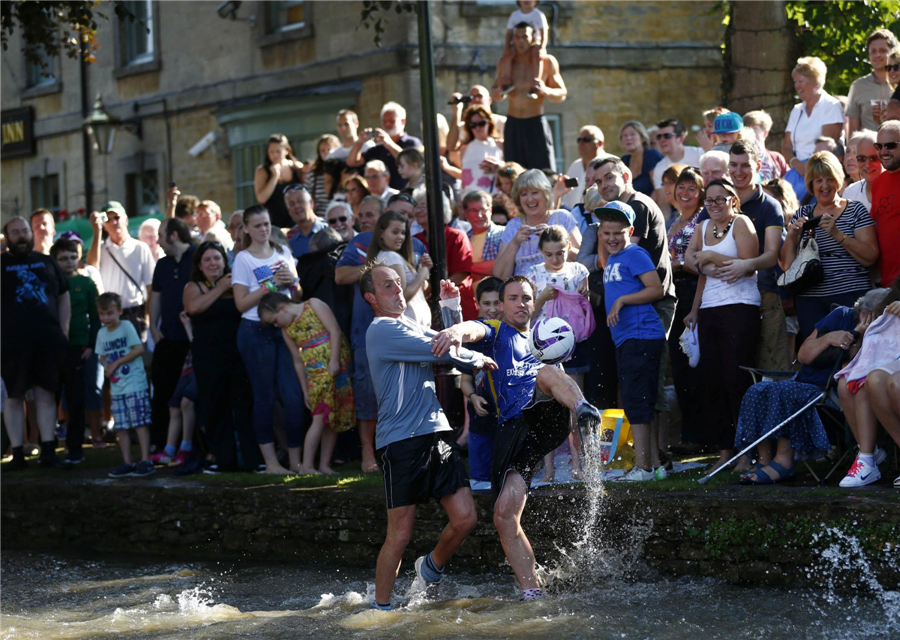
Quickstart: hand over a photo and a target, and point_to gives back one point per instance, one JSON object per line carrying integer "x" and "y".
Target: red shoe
{"x": 160, "y": 459}
{"x": 179, "y": 459}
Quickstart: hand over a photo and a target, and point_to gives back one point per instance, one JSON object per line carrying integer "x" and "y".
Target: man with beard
{"x": 389, "y": 141}
{"x": 534, "y": 402}
{"x": 35, "y": 324}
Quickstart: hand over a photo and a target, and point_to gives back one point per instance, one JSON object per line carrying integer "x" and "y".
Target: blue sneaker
{"x": 124, "y": 470}
{"x": 144, "y": 468}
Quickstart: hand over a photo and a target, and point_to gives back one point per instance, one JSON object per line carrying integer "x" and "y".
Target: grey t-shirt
{"x": 400, "y": 359}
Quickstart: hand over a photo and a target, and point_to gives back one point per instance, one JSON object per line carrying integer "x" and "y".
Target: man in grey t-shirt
{"x": 417, "y": 458}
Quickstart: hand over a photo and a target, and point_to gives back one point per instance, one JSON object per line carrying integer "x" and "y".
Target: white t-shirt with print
{"x": 567, "y": 279}
{"x": 252, "y": 272}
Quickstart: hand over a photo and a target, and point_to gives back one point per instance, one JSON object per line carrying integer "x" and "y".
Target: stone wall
{"x": 732, "y": 533}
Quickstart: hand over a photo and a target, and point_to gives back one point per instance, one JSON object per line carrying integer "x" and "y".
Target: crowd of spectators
{"x": 262, "y": 312}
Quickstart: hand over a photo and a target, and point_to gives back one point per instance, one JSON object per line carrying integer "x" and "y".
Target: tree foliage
{"x": 55, "y": 27}
{"x": 375, "y": 12}
{"x": 836, "y": 32}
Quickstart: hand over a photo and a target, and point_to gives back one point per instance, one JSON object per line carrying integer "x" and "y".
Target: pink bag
{"x": 575, "y": 309}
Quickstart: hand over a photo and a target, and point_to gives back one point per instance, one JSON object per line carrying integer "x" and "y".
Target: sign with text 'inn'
{"x": 18, "y": 132}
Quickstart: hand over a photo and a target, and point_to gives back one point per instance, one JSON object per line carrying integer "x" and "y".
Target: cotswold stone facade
{"x": 297, "y": 63}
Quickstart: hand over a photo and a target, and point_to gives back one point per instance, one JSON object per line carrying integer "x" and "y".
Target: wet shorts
{"x": 186, "y": 388}
{"x": 420, "y": 468}
{"x": 521, "y": 443}
{"x": 131, "y": 410}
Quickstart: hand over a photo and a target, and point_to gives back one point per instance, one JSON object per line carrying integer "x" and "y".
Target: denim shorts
{"x": 186, "y": 388}
{"x": 363, "y": 389}
{"x": 637, "y": 362}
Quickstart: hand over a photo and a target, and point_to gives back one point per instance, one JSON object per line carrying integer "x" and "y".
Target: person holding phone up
{"x": 848, "y": 245}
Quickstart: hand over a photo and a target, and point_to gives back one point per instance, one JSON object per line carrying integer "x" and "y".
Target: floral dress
{"x": 332, "y": 397}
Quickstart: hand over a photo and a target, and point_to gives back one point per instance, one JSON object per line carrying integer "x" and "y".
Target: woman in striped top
{"x": 848, "y": 245}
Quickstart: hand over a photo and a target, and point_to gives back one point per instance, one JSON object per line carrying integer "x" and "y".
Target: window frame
{"x": 46, "y": 88}
{"x": 266, "y": 36}
{"x": 123, "y": 67}
{"x": 139, "y": 178}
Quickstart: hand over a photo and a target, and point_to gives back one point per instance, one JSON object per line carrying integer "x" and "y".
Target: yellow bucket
{"x": 616, "y": 442}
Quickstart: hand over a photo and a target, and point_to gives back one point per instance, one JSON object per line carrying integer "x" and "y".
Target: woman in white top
{"x": 818, "y": 114}
{"x": 869, "y": 166}
{"x": 391, "y": 244}
{"x": 726, "y": 315}
{"x": 483, "y": 155}
{"x": 264, "y": 266}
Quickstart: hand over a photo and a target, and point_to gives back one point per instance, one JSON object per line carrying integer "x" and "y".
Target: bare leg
{"x": 866, "y": 423}
{"x": 273, "y": 467}
{"x": 45, "y": 403}
{"x": 124, "y": 444}
{"x": 399, "y": 530}
{"x": 507, "y": 520}
{"x": 329, "y": 438}
{"x": 885, "y": 400}
{"x": 764, "y": 451}
{"x": 14, "y": 416}
{"x": 367, "y": 438}
{"x": 549, "y": 467}
{"x": 143, "y": 434}
{"x": 93, "y": 420}
{"x": 174, "y": 427}
{"x": 460, "y": 509}
{"x": 189, "y": 420}
{"x": 310, "y": 446}
{"x": 848, "y": 403}
{"x": 555, "y": 383}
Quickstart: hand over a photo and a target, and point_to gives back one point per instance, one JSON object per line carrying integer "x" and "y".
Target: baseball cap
{"x": 728, "y": 123}
{"x": 71, "y": 235}
{"x": 115, "y": 207}
{"x": 620, "y": 209}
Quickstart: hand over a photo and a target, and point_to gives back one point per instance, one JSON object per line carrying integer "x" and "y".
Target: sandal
{"x": 756, "y": 466}
{"x": 764, "y": 478}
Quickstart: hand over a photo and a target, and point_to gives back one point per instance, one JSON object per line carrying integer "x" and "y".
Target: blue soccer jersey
{"x": 512, "y": 384}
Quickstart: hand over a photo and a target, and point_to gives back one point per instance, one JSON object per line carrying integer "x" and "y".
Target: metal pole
{"x": 85, "y": 138}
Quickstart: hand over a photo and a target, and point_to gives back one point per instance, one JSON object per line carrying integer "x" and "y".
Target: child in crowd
{"x": 411, "y": 165}
{"x": 527, "y": 12}
{"x": 630, "y": 285}
{"x": 83, "y": 328}
{"x": 321, "y": 358}
{"x": 120, "y": 351}
{"x": 548, "y": 278}
{"x": 182, "y": 412}
{"x": 482, "y": 412}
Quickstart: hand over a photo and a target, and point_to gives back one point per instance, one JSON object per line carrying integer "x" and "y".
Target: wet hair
{"x": 523, "y": 280}
{"x": 677, "y": 125}
{"x": 405, "y": 251}
{"x": 249, "y": 212}
{"x": 726, "y": 184}
{"x": 63, "y": 245}
{"x": 553, "y": 233}
{"x": 179, "y": 228}
{"x": 269, "y": 303}
{"x": 746, "y": 148}
{"x": 478, "y": 110}
{"x": 487, "y": 285}
{"x": 196, "y": 273}
{"x": 108, "y": 300}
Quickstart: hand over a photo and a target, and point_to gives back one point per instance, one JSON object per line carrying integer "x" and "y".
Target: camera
{"x": 461, "y": 100}
{"x": 571, "y": 182}
{"x": 103, "y": 217}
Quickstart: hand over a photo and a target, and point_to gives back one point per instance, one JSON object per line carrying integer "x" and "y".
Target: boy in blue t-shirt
{"x": 630, "y": 285}
{"x": 120, "y": 351}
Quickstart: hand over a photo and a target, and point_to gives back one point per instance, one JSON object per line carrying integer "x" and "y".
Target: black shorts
{"x": 420, "y": 468}
{"x": 529, "y": 142}
{"x": 35, "y": 361}
{"x": 521, "y": 443}
{"x": 637, "y": 362}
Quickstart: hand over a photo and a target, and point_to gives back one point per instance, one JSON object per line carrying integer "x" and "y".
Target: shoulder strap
{"x": 127, "y": 275}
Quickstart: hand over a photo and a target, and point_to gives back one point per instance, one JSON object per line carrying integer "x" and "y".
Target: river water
{"x": 57, "y": 596}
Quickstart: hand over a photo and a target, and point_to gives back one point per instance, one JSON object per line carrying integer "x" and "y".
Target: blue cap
{"x": 620, "y": 209}
{"x": 71, "y": 235}
{"x": 728, "y": 123}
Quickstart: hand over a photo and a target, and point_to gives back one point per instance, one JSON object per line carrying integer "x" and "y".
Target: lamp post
{"x": 101, "y": 129}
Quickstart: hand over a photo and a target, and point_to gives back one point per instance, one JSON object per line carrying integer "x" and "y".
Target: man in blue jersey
{"x": 534, "y": 403}
{"x": 413, "y": 438}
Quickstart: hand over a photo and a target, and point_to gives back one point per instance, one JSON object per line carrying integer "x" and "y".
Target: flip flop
{"x": 764, "y": 478}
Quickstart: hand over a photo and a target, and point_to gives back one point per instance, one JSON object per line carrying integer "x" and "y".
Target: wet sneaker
{"x": 860, "y": 475}
{"x": 690, "y": 345}
{"x": 588, "y": 420}
{"x": 161, "y": 459}
{"x": 144, "y": 468}
{"x": 179, "y": 459}
{"x": 640, "y": 475}
{"x": 420, "y": 585}
{"x": 124, "y": 470}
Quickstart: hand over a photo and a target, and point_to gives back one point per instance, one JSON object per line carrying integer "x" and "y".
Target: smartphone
{"x": 172, "y": 185}
{"x": 812, "y": 223}
{"x": 571, "y": 182}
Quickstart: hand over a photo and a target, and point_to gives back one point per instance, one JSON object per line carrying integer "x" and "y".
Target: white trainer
{"x": 639, "y": 475}
{"x": 860, "y": 474}
{"x": 690, "y": 345}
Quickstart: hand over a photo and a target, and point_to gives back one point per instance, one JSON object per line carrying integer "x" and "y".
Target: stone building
{"x": 242, "y": 71}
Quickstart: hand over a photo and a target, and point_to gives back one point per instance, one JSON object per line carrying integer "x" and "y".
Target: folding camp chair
{"x": 829, "y": 407}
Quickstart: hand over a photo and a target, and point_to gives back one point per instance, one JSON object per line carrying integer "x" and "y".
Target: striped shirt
{"x": 843, "y": 274}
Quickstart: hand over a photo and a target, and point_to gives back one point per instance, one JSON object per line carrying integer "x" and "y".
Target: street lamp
{"x": 101, "y": 127}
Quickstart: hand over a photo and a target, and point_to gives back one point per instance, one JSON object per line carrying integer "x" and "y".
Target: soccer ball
{"x": 552, "y": 340}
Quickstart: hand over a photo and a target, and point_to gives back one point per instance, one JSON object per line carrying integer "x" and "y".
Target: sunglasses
{"x": 209, "y": 244}
{"x": 892, "y": 67}
{"x": 293, "y": 188}
{"x": 338, "y": 219}
{"x": 401, "y": 197}
{"x": 667, "y": 136}
{"x": 478, "y": 125}
{"x": 585, "y": 139}
{"x": 865, "y": 159}
{"x": 719, "y": 201}
{"x": 890, "y": 146}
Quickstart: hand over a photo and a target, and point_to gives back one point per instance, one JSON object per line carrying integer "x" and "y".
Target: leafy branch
{"x": 374, "y": 15}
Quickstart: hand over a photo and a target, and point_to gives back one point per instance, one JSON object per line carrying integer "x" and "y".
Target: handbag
{"x": 806, "y": 271}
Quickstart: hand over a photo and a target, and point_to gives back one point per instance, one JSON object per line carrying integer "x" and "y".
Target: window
{"x": 45, "y": 192}
{"x": 142, "y": 193}
{"x": 39, "y": 74}
{"x": 286, "y": 16}
{"x": 245, "y": 159}
{"x": 137, "y": 40}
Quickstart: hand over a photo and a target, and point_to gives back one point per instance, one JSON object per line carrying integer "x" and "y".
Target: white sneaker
{"x": 639, "y": 475}
{"x": 880, "y": 455}
{"x": 860, "y": 475}
{"x": 690, "y": 345}
{"x": 420, "y": 585}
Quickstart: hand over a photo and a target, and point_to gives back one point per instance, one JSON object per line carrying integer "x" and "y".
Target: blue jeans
{"x": 271, "y": 370}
